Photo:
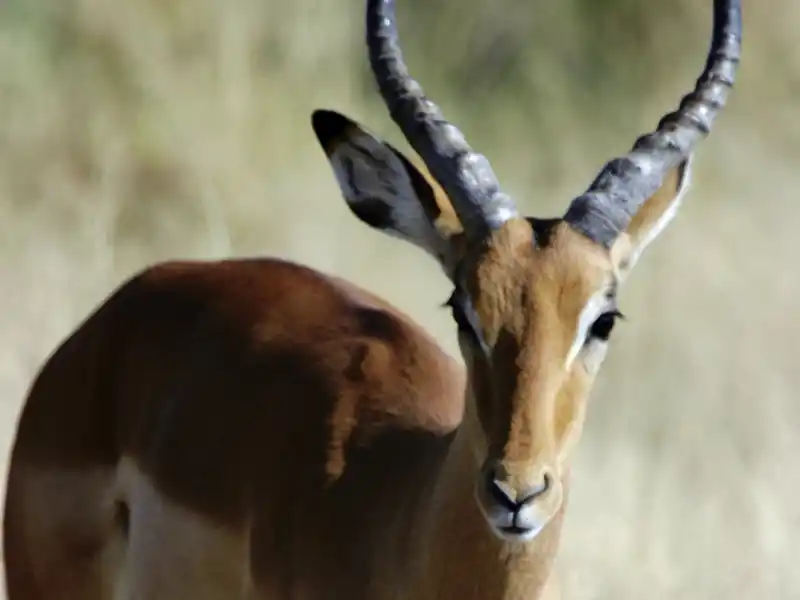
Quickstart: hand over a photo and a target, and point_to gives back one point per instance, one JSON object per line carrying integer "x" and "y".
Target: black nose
{"x": 509, "y": 497}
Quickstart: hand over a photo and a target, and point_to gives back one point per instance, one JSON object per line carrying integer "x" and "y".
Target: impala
{"x": 257, "y": 429}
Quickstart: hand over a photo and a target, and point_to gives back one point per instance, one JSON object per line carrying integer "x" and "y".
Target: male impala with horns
{"x": 255, "y": 429}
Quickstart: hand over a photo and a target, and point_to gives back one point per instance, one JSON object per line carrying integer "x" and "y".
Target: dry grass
{"x": 139, "y": 131}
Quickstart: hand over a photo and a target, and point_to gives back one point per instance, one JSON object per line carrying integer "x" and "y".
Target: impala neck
{"x": 468, "y": 561}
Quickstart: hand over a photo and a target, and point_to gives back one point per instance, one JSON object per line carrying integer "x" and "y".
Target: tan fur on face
{"x": 529, "y": 299}
{"x": 534, "y": 302}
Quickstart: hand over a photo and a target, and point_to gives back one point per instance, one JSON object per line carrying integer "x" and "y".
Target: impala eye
{"x": 465, "y": 317}
{"x": 602, "y": 327}
{"x": 459, "y": 316}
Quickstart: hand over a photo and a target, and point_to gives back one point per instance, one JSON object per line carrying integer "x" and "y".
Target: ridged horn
{"x": 465, "y": 175}
{"x": 608, "y": 205}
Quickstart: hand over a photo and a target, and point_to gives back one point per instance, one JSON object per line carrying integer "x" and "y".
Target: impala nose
{"x": 510, "y": 497}
{"x": 516, "y": 510}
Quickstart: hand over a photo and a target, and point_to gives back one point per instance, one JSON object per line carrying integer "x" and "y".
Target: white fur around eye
{"x": 593, "y": 309}
{"x": 593, "y": 355}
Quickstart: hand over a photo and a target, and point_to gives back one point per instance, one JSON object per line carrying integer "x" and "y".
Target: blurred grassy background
{"x": 138, "y": 131}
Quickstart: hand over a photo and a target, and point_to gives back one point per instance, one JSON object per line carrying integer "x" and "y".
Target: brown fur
{"x": 287, "y": 407}
{"x": 256, "y": 429}
{"x": 526, "y": 403}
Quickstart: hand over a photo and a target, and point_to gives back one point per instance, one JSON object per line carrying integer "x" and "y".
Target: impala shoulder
{"x": 392, "y": 371}
{"x": 407, "y": 376}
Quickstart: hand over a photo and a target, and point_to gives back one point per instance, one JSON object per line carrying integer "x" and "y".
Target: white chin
{"x": 516, "y": 536}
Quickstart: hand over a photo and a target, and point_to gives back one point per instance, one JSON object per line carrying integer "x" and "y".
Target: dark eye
{"x": 465, "y": 317}
{"x": 459, "y": 316}
{"x": 602, "y": 327}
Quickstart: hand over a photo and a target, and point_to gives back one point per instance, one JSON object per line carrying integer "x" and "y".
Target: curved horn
{"x": 607, "y": 207}
{"x": 465, "y": 175}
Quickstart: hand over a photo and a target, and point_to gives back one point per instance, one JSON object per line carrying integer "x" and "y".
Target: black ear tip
{"x": 329, "y": 125}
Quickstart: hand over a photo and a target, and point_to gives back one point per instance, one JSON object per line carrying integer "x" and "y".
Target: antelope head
{"x": 535, "y": 300}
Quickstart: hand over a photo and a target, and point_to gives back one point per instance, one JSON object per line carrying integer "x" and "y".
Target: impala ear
{"x": 386, "y": 191}
{"x": 652, "y": 218}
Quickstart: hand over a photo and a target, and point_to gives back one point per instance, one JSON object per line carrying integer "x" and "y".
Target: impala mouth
{"x": 516, "y": 530}
{"x": 514, "y": 516}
